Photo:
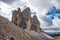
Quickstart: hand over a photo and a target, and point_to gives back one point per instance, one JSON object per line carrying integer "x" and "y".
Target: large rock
{"x": 14, "y": 18}
{"x": 22, "y": 19}
{"x": 26, "y": 18}
{"x": 17, "y": 17}
{"x": 9, "y": 31}
{"x": 35, "y": 24}
{"x": 26, "y": 13}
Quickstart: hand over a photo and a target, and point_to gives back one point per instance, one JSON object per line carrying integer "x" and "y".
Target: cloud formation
{"x": 47, "y": 20}
{"x": 40, "y": 6}
{"x": 56, "y": 3}
{"x": 8, "y": 1}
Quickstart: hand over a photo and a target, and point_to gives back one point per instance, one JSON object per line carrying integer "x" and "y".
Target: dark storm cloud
{"x": 8, "y": 1}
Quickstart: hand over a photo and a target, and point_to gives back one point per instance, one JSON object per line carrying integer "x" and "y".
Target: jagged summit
{"x": 35, "y": 24}
{"x": 9, "y": 31}
{"x": 26, "y": 21}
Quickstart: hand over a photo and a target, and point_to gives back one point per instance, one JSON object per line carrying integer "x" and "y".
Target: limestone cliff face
{"x": 26, "y": 18}
{"x": 35, "y": 24}
{"x": 9, "y": 31}
{"x": 14, "y": 18}
{"x": 22, "y": 19}
{"x": 17, "y": 17}
{"x": 26, "y": 13}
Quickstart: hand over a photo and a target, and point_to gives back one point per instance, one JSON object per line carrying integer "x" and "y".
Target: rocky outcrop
{"x": 9, "y": 31}
{"x": 14, "y": 18}
{"x": 22, "y": 19}
{"x": 35, "y": 24}
{"x": 17, "y": 17}
{"x": 26, "y": 18}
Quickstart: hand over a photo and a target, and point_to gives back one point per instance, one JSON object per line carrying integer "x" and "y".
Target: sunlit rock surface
{"x": 9, "y": 31}
{"x": 35, "y": 24}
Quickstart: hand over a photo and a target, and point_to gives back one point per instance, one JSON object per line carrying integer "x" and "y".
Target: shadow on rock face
{"x": 10, "y": 31}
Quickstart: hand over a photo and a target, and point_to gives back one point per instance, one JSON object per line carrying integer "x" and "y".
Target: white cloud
{"x": 5, "y": 10}
{"x": 56, "y": 22}
{"x": 40, "y": 6}
{"x": 45, "y": 22}
{"x": 56, "y": 3}
{"x": 8, "y": 1}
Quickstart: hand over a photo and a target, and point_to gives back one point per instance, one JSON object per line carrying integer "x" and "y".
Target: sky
{"x": 47, "y": 11}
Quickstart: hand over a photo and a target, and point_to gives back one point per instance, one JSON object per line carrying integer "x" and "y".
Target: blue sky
{"x": 54, "y": 12}
{"x": 47, "y": 11}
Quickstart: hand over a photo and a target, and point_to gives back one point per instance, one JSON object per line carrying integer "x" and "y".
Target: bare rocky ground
{"x": 57, "y": 37}
{"x": 9, "y": 31}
